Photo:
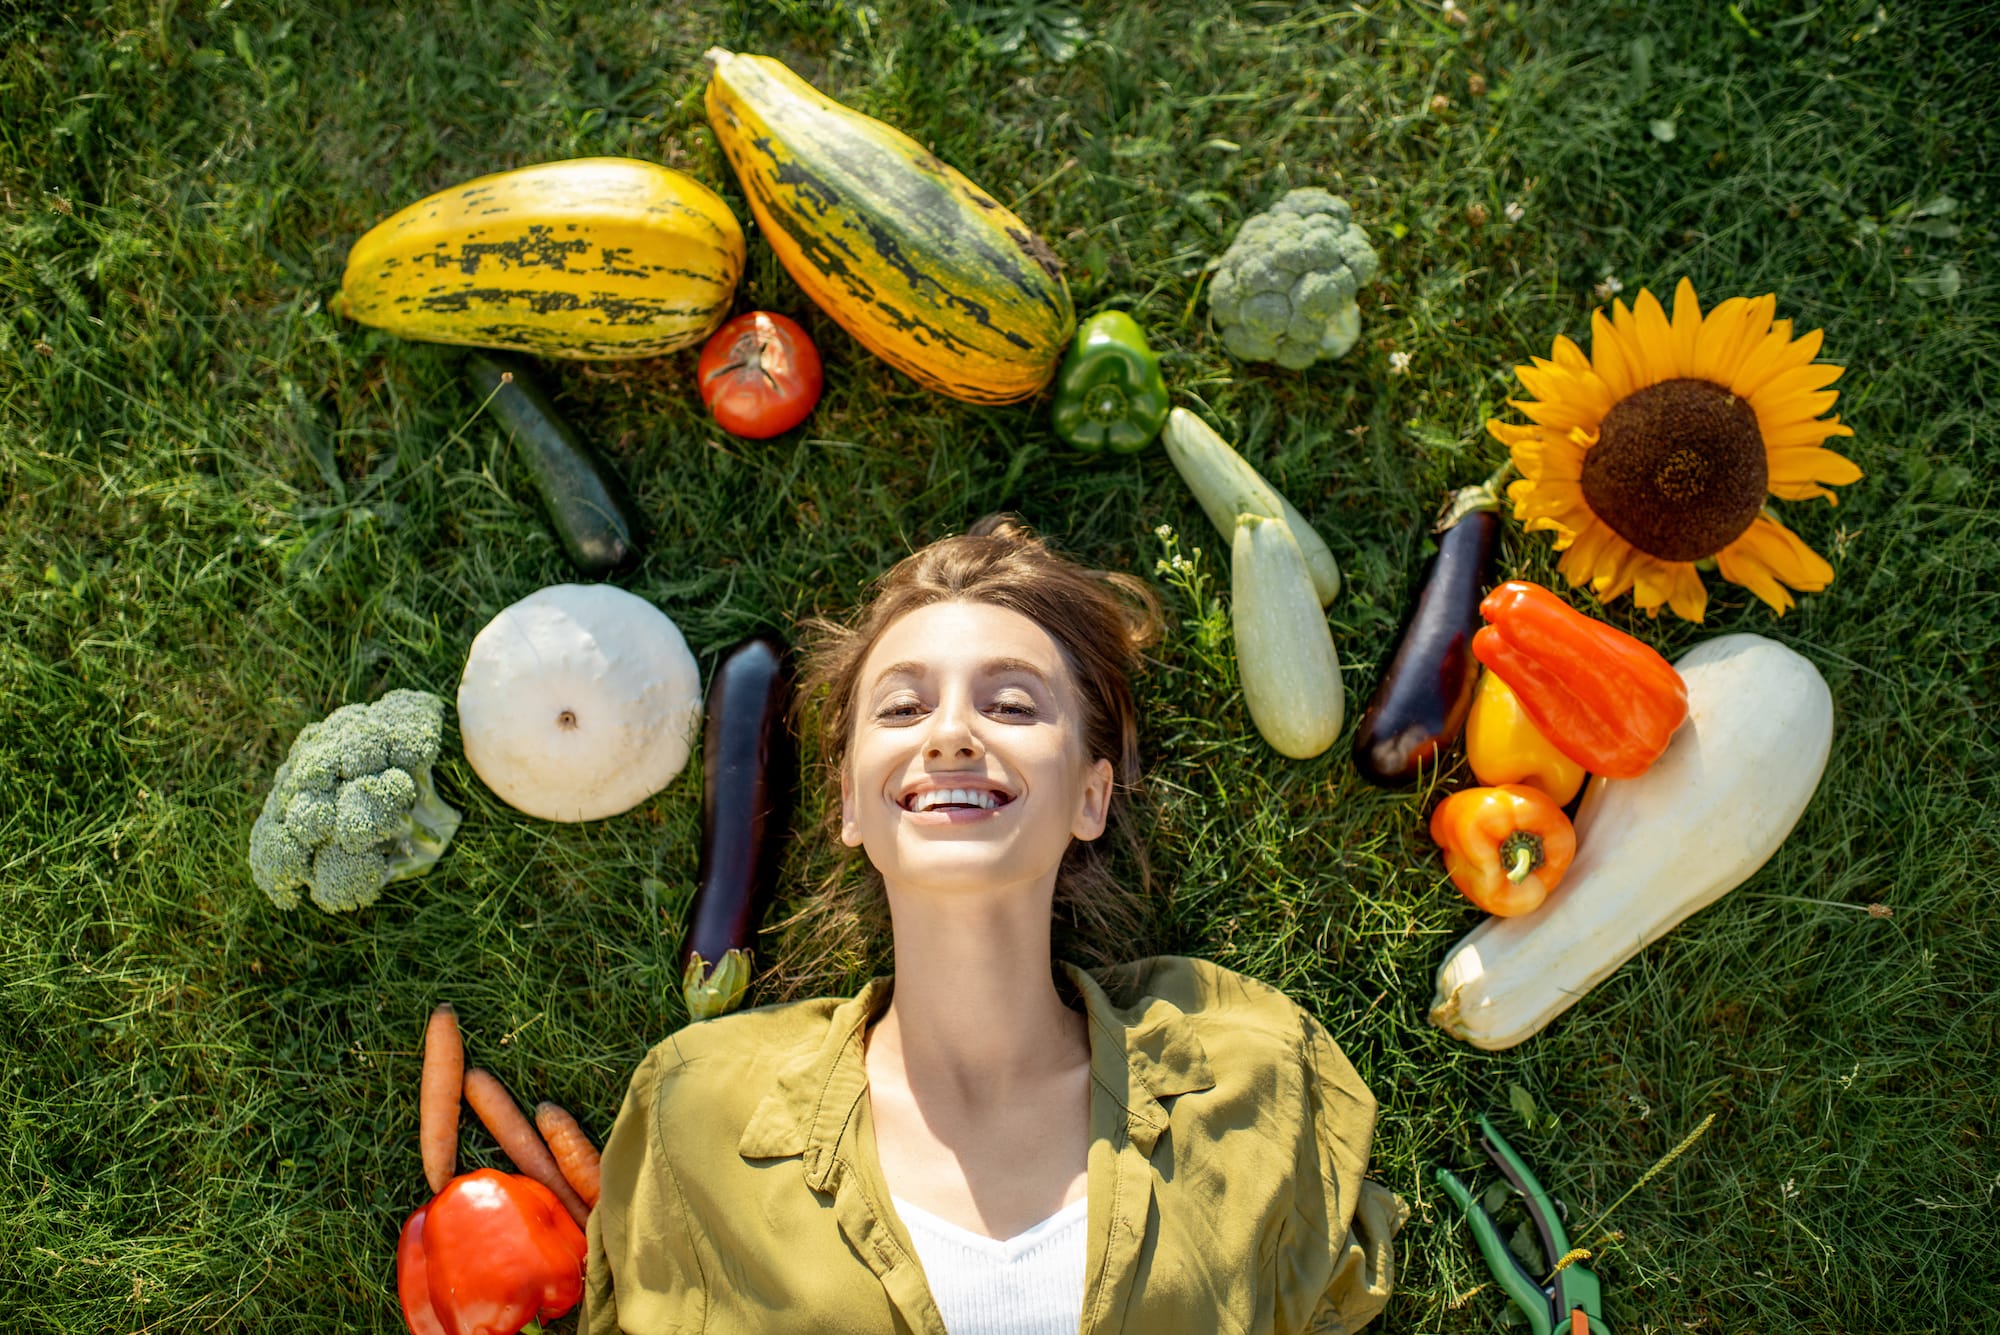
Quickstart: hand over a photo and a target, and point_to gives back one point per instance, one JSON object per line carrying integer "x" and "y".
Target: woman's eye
{"x": 1014, "y": 708}
{"x": 902, "y": 709}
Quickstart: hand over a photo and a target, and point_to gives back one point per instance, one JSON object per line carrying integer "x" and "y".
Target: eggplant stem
{"x": 1474, "y": 499}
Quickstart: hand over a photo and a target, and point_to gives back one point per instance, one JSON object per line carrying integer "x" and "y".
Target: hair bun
{"x": 1006, "y": 528}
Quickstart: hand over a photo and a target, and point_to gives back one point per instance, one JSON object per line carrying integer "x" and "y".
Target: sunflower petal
{"x": 1570, "y": 357}
{"x": 1800, "y": 379}
{"x": 1558, "y": 503}
{"x": 1790, "y": 434}
{"x": 1720, "y": 333}
{"x": 1795, "y": 407}
{"x": 1812, "y": 465}
{"x": 1507, "y": 432}
{"x": 1753, "y": 327}
{"x": 1686, "y": 328}
{"x": 1791, "y": 369}
{"x": 1549, "y": 459}
{"x": 1689, "y": 598}
{"x": 1625, "y": 323}
{"x": 1769, "y": 556}
{"x": 1607, "y": 357}
{"x": 1655, "y": 338}
{"x": 1617, "y": 571}
{"x": 1759, "y": 363}
{"x": 1559, "y": 416}
{"x": 1595, "y": 546}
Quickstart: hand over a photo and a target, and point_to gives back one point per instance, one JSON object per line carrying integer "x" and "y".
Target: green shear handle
{"x": 1550, "y": 1307}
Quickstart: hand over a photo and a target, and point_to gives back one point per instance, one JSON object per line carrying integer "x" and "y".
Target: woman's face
{"x": 967, "y": 767}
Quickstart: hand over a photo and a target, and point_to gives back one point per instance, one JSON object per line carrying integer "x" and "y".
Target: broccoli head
{"x": 352, "y": 807}
{"x": 1284, "y": 290}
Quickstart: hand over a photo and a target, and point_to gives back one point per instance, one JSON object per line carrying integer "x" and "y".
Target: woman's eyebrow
{"x": 992, "y": 668}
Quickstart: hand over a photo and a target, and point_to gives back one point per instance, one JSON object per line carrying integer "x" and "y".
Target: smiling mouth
{"x": 956, "y": 799}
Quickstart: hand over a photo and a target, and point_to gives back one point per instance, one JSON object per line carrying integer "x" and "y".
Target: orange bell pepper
{"x": 1602, "y": 698}
{"x": 1505, "y": 847}
{"x": 1503, "y": 745}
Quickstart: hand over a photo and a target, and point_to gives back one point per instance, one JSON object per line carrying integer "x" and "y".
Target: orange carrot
{"x": 437, "y": 1099}
{"x": 518, "y": 1138}
{"x": 574, "y": 1153}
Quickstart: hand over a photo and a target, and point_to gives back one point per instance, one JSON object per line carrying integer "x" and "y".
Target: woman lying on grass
{"x": 991, "y": 1141}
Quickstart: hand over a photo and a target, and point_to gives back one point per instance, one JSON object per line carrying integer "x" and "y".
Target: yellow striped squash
{"x": 591, "y": 257}
{"x": 926, "y": 269}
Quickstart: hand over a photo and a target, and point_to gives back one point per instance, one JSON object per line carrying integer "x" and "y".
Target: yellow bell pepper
{"x": 1503, "y": 745}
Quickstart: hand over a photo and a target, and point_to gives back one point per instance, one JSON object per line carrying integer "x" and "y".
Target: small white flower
{"x": 1609, "y": 287}
{"x": 1791, "y": 1187}
{"x": 1163, "y": 532}
{"x": 1399, "y": 362}
{"x": 1514, "y": 211}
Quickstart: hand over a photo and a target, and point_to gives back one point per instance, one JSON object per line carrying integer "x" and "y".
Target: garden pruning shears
{"x": 1571, "y": 1302}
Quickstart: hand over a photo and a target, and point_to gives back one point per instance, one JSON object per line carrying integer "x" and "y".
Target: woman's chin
{"x": 960, "y": 866}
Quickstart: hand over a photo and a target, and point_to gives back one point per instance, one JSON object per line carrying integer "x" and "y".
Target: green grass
{"x": 225, "y": 512}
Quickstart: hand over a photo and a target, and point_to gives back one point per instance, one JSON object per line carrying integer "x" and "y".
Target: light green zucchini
{"x": 1284, "y": 650}
{"x": 1226, "y": 485}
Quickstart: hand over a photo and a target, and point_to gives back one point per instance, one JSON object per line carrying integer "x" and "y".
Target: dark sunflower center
{"x": 1678, "y": 469}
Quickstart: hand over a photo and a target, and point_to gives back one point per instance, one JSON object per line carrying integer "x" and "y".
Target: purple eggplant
{"x": 1420, "y": 707}
{"x": 749, "y": 783}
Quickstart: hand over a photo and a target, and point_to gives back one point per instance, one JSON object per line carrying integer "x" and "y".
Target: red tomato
{"x": 759, "y": 375}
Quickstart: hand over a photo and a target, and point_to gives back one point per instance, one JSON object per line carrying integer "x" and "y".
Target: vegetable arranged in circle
{"x": 593, "y": 516}
{"x": 492, "y": 1252}
{"x": 1109, "y": 392}
{"x": 1284, "y": 290}
{"x": 1503, "y": 745}
{"x": 1505, "y": 847}
{"x": 1424, "y": 697}
{"x": 927, "y": 270}
{"x": 353, "y": 807}
{"x": 1655, "y": 849}
{"x": 1226, "y": 485}
{"x": 590, "y": 257}
{"x": 1285, "y": 657}
{"x": 760, "y": 375}
{"x": 1607, "y": 701}
{"x": 749, "y": 771}
{"x": 578, "y": 702}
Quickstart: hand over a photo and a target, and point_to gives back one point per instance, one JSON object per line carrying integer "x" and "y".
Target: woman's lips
{"x": 954, "y": 815}
{"x": 957, "y": 814}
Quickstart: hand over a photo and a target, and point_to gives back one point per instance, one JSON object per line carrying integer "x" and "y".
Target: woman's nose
{"x": 951, "y": 732}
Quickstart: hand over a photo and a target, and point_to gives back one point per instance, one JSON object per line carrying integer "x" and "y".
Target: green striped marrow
{"x": 927, "y": 270}
{"x": 587, "y": 258}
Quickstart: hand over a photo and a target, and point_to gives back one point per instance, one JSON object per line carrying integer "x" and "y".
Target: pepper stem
{"x": 1522, "y": 852}
{"x": 534, "y": 1327}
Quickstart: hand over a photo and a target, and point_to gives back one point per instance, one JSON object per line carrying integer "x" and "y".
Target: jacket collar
{"x": 1142, "y": 1051}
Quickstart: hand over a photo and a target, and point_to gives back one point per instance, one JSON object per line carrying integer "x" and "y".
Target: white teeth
{"x": 964, "y": 797}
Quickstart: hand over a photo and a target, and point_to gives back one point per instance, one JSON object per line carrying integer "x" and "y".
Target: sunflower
{"x": 1651, "y": 458}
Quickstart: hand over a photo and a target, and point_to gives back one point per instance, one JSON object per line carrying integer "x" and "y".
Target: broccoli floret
{"x": 1284, "y": 290}
{"x": 353, "y": 806}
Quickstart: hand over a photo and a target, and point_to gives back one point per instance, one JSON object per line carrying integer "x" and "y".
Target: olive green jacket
{"x": 741, "y": 1190}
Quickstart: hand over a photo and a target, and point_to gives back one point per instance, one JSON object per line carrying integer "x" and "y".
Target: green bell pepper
{"x": 1109, "y": 392}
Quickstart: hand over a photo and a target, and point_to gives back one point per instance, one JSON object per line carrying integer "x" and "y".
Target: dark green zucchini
{"x": 596, "y": 520}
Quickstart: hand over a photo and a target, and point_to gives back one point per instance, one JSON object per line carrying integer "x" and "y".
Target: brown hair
{"x": 1101, "y": 620}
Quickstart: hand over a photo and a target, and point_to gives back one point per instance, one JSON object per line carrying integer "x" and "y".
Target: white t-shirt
{"x": 1029, "y": 1284}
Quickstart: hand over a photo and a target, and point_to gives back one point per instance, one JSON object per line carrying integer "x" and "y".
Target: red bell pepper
{"x": 491, "y": 1254}
{"x": 1602, "y": 698}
